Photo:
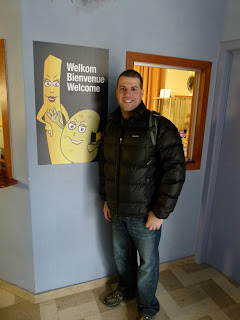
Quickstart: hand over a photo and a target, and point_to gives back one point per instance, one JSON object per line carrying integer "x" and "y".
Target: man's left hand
{"x": 153, "y": 223}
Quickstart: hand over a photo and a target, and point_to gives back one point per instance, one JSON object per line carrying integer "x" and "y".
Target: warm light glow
{"x": 165, "y": 93}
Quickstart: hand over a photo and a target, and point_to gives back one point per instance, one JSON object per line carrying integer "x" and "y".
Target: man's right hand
{"x": 106, "y": 212}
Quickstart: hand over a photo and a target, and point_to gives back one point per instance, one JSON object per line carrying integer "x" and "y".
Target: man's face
{"x": 129, "y": 95}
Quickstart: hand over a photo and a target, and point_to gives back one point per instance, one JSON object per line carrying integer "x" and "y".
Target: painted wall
{"x": 224, "y": 238}
{"x": 16, "y": 254}
{"x": 71, "y": 240}
{"x": 231, "y": 30}
{"x": 176, "y": 80}
{"x": 223, "y": 241}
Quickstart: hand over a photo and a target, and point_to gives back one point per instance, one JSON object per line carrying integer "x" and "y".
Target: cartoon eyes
{"x": 72, "y": 125}
{"x": 55, "y": 83}
{"x": 81, "y": 128}
{"x": 47, "y": 83}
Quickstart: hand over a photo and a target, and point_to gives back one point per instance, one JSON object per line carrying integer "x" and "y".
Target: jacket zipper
{"x": 118, "y": 169}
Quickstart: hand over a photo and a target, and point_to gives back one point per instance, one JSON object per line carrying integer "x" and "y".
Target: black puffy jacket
{"x": 135, "y": 176}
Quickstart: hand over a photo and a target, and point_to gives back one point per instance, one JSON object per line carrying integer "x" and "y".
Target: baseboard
{"x": 62, "y": 292}
{"x": 57, "y": 293}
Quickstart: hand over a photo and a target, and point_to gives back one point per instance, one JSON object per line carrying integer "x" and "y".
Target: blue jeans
{"x": 129, "y": 236}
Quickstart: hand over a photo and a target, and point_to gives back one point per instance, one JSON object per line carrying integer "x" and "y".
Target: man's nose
{"x": 127, "y": 91}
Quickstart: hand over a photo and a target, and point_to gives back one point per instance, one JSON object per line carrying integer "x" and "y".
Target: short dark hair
{"x": 131, "y": 74}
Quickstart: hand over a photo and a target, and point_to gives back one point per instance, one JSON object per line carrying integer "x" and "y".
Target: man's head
{"x": 129, "y": 91}
{"x": 132, "y": 74}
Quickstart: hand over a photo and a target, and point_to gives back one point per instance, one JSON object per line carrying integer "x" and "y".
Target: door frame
{"x": 227, "y": 49}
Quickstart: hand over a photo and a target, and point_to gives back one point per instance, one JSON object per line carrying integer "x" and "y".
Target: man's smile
{"x": 128, "y": 101}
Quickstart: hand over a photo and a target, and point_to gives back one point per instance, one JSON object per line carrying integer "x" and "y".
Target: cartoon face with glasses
{"x": 52, "y": 88}
{"x": 76, "y": 140}
{"x": 80, "y": 138}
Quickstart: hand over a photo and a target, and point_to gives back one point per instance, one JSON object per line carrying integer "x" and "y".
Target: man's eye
{"x": 81, "y": 128}
{"x": 47, "y": 83}
{"x": 72, "y": 126}
{"x": 56, "y": 83}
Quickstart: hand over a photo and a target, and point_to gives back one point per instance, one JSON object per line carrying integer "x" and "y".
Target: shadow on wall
{"x": 103, "y": 227}
{"x": 88, "y": 5}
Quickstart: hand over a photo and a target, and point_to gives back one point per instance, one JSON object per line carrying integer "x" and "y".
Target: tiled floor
{"x": 186, "y": 291}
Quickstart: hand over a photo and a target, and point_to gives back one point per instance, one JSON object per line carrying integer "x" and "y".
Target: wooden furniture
{"x": 6, "y": 178}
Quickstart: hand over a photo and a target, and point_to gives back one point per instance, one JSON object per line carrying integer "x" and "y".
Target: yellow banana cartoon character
{"x": 51, "y": 99}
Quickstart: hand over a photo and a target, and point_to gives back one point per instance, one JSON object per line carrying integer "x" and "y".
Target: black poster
{"x": 71, "y": 94}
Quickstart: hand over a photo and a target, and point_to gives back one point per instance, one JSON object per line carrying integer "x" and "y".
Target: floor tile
{"x": 127, "y": 312}
{"x": 186, "y": 291}
{"x": 95, "y": 317}
{"x": 194, "y": 267}
{"x": 48, "y": 310}
{"x": 169, "y": 305}
{"x": 234, "y": 283}
{"x": 188, "y": 295}
{"x": 100, "y": 294}
{"x": 233, "y": 312}
{"x": 226, "y": 285}
{"x": 6, "y": 299}
{"x": 204, "y": 308}
{"x": 161, "y": 315}
{"x": 177, "y": 263}
{"x": 217, "y": 294}
{"x": 81, "y": 311}
{"x": 169, "y": 281}
{"x": 188, "y": 279}
{"x": 21, "y": 311}
{"x": 75, "y": 300}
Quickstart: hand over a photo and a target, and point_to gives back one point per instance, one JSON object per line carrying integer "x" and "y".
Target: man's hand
{"x": 153, "y": 223}
{"x": 107, "y": 212}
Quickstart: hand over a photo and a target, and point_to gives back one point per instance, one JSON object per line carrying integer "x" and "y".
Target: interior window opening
{"x": 173, "y": 92}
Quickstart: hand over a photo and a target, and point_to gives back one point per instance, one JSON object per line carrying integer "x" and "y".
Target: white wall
{"x": 71, "y": 240}
{"x": 16, "y": 254}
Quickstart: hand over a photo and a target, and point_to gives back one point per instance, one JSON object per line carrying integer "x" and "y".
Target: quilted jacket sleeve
{"x": 171, "y": 162}
{"x": 101, "y": 173}
{"x": 102, "y": 191}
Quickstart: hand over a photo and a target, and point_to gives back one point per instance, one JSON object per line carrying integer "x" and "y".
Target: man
{"x": 140, "y": 184}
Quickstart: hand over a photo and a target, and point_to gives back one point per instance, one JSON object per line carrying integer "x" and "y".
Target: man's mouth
{"x": 75, "y": 141}
{"x": 51, "y": 99}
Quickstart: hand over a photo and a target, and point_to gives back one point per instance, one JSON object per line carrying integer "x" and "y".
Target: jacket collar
{"x": 117, "y": 114}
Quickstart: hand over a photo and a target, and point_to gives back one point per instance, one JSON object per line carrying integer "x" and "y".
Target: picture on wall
{"x": 71, "y": 95}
